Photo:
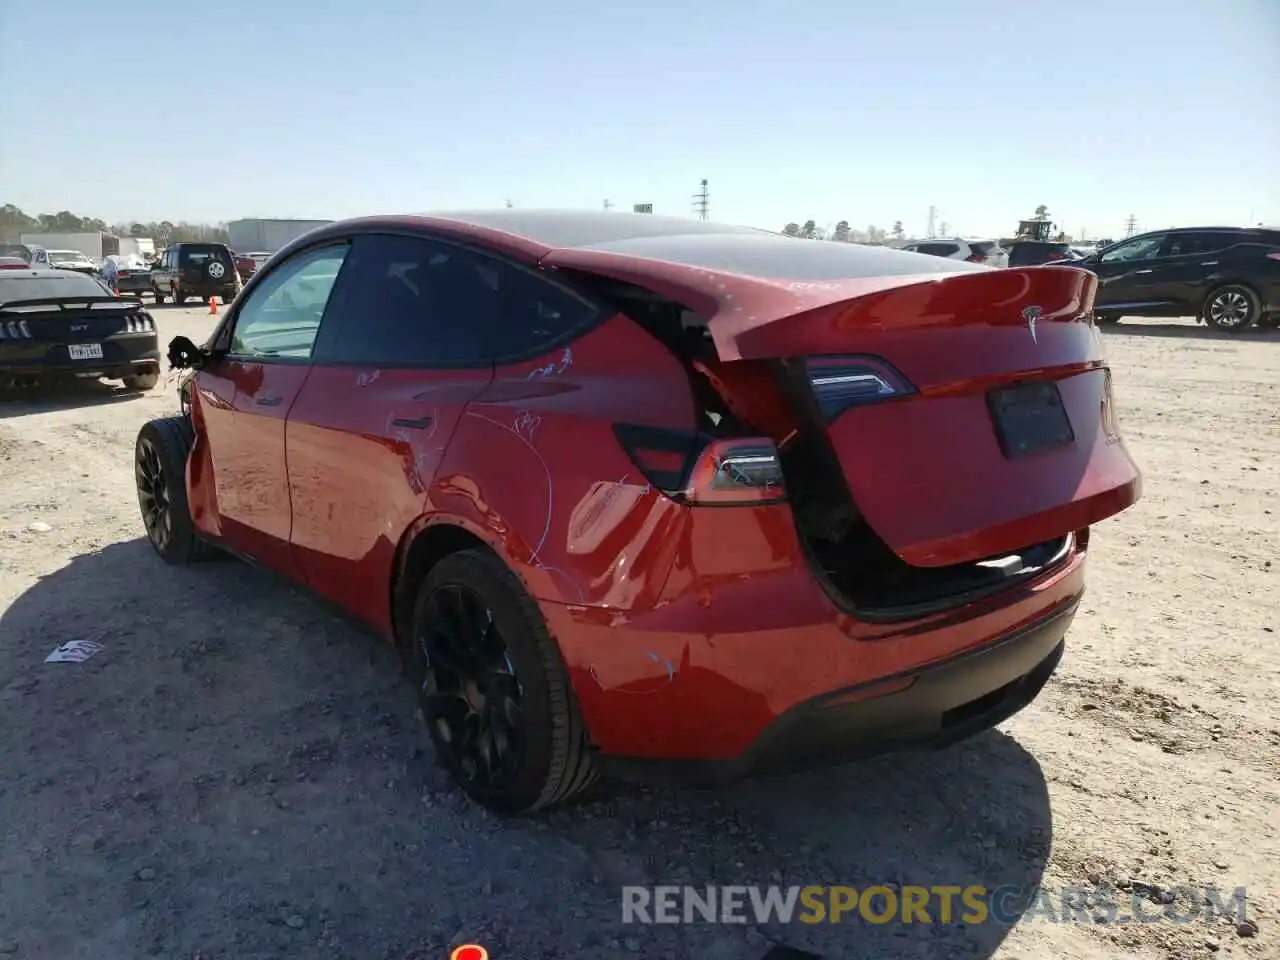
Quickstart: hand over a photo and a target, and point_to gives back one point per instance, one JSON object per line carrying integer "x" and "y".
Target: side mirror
{"x": 185, "y": 355}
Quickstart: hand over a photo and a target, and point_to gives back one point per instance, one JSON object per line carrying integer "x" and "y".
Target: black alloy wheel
{"x": 159, "y": 468}
{"x": 493, "y": 689}
{"x": 153, "y": 495}
{"x": 469, "y": 693}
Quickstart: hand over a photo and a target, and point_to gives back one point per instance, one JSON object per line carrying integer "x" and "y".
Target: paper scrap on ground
{"x": 74, "y": 651}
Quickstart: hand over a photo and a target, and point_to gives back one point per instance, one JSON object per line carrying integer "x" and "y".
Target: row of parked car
{"x": 1226, "y": 277}
{"x": 180, "y": 271}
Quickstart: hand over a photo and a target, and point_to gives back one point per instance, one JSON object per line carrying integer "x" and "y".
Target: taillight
{"x": 975, "y": 258}
{"x": 843, "y": 382}
{"x": 694, "y": 469}
{"x": 740, "y": 471}
{"x": 15, "y": 330}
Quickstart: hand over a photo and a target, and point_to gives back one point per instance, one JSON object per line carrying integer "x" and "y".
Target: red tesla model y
{"x": 656, "y": 498}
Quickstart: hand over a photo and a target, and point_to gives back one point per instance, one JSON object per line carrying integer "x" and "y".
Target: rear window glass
{"x": 983, "y": 247}
{"x": 775, "y": 257}
{"x": 15, "y": 250}
{"x": 937, "y": 249}
{"x": 40, "y": 288}
{"x": 203, "y": 254}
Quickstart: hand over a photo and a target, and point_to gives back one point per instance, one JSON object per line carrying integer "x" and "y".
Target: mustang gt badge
{"x": 1031, "y": 315}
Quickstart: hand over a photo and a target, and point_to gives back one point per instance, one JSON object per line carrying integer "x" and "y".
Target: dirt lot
{"x": 239, "y": 775}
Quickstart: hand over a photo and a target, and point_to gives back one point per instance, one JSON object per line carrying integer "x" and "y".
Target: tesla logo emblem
{"x": 1031, "y": 315}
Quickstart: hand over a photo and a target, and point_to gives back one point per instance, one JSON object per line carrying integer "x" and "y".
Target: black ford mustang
{"x": 56, "y": 324}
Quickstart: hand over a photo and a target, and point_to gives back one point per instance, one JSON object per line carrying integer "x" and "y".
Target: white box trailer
{"x": 267, "y": 236}
{"x": 144, "y": 247}
{"x": 95, "y": 246}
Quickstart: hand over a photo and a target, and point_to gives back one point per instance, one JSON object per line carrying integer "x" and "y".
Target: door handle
{"x": 1143, "y": 271}
{"x": 1209, "y": 263}
{"x": 268, "y": 401}
{"x": 420, "y": 424}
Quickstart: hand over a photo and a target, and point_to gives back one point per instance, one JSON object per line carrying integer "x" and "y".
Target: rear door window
{"x": 1199, "y": 243}
{"x": 413, "y": 301}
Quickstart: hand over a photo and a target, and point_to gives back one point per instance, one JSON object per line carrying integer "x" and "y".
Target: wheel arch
{"x": 425, "y": 543}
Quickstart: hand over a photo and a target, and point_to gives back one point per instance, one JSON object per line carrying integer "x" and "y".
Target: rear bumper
{"x": 122, "y": 355}
{"x": 138, "y": 284}
{"x": 928, "y": 709}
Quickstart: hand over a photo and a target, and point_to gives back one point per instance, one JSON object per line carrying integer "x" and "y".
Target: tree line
{"x": 14, "y": 222}
{"x": 842, "y": 233}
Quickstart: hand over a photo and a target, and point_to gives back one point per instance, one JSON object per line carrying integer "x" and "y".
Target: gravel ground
{"x": 239, "y": 775}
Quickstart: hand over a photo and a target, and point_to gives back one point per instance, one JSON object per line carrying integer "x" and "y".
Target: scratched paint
{"x": 563, "y": 365}
{"x": 526, "y": 423}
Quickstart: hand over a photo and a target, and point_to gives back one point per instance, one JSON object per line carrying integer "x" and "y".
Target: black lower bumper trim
{"x": 946, "y": 702}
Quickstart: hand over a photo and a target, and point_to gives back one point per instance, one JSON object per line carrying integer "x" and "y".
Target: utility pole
{"x": 702, "y": 202}
{"x": 933, "y": 213}
{"x": 946, "y": 227}
{"x": 1129, "y": 225}
{"x": 608, "y": 205}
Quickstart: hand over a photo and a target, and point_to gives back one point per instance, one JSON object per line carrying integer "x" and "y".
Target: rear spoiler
{"x": 67, "y": 303}
{"x": 743, "y": 312}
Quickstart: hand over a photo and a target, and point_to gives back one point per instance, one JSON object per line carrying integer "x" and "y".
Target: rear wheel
{"x": 179, "y": 297}
{"x": 155, "y": 291}
{"x": 493, "y": 690}
{"x": 159, "y": 466}
{"x": 1233, "y": 308}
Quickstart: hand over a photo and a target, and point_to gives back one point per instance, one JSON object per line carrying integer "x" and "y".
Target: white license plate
{"x": 85, "y": 351}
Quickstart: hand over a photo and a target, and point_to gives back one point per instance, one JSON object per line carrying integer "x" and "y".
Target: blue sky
{"x": 866, "y": 111}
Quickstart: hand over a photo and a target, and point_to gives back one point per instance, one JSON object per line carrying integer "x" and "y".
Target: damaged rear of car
{"x": 940, "y": 437}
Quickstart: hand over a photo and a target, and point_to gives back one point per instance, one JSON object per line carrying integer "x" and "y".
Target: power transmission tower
{"x": 1129, "y": 225}
{"x": 608, "y": 205}
{"x": 702, "y": 202}
{"x": 933, "y": 213}
{"x": 946, "y": 227}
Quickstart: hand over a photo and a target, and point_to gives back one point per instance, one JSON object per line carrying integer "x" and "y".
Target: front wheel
{"x": 493, "y": 690}
{"x": 155, "y": 291}
{"x": 1232, "y": 309}
{"x": 159, "y": 466}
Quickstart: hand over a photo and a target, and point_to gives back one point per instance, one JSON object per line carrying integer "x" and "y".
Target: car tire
{"x": 179, "y": 298}
{"x": 160, "y": 462}
{"x": 1232, "y": 308}
{"x": 228, "y": 295}
{"x": 155, "y": 292}
{"x": 475, "y": 627}
{"x": 142, "y": 381}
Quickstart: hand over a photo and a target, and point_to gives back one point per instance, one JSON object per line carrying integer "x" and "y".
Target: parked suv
{"x": 201, "y": 270}
{"x": 971, "y": 251}
{"x": 1227, "y": 277}
{"x": 655, "y": 497}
